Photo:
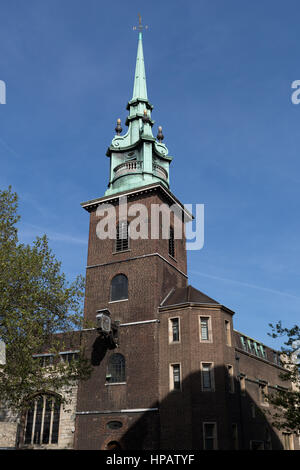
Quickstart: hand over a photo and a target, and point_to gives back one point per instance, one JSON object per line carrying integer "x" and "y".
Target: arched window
{"x": 116, "y": 368}
{"x": 42, "y": 420}
{"x": 119, "y": 288}
{"x": 122, "y": 240}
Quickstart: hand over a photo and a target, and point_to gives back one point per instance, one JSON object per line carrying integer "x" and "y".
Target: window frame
{"x": 43, "y": 359}
{"x": 112, "y": 376}
{"x": 209, "y": 329}
{"x": 68, "y": 356}
{"x": 243, "y": 384}
{"x": 39, "y": 421}
{"x": 111, "y": 288}
{"x": 214, "y": 437}
{"x": 235, "y": 436}
{"x": 227, "y": 327}
{"x": 211, "y": 376}
{"x": 171, "y": 331}
{"x": 122, "y": 244}
{"x": 172, "y": 375}
{"x": 263, "y": 391}
{"x": 230, "y": 378}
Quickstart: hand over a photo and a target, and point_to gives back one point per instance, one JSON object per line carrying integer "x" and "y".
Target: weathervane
{"x": 140, "y": 27}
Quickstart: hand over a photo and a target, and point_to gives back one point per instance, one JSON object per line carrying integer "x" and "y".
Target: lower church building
{"x": 169, "y": 371}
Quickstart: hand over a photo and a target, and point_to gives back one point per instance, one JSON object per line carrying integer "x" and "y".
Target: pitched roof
{"x": 187, "y": 294}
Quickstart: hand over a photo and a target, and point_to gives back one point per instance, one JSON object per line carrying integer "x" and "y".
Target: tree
{"x": 286, "y": 401}
{"x": 39, "y": 312}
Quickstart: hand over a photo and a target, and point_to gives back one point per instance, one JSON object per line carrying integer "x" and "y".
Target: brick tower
{"x": 128, "y": 279}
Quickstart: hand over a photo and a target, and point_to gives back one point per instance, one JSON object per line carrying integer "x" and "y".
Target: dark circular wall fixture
{"x": 114, "y": 424}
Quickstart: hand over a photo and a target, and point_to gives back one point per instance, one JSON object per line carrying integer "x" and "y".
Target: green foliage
{"x": 286, "y": 401}
{"x": 37, "y": 307}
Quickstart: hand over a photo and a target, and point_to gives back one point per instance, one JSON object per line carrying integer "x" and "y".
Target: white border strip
{"x": 134, "y": 410}
{"x": 139, "y": 322}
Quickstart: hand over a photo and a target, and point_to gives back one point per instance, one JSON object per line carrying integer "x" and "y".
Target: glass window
{"x": 122, "y": 239}
{"x": 235, "y": 437}
{"x": 119, "y": 288}
{"x": 227, "y": 333}
{"x": 176, "y": 379}
{"x": 42, "y": 421}
{"x": 44, "y": 360}
{"x": 204, "y": 322}
{"x": 69, "y": 356}
{"x": 116, "y": 368}
{"x": 207, "y": 383}
{"x": 175, "y": 329}
{"x": 230, "y": 378}
{"x": 210, "y": 440}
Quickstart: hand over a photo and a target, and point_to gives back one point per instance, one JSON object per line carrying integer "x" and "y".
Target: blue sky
{"x": 219, "y": 75}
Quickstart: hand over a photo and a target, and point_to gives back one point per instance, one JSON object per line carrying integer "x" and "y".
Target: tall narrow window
{"x": 116, "y": 369}
{"x": 243, "y": 384}
{"x": 263, "y": 393}
{"x": 230, "y": 378}
{"x": 175, "y": 377}
{"x": 268, "y": 440}
{"x": 227, "y": 333}
{"x": 205, "y": 329}
{"x": 171, "y": 242}
{"x": 38, "y": 420}
{"x": 210, "y": 436}
{"x": 122, "y": 239}
{"x": 174, "y": 334}
{"x": 207, "y": 377}
{"x": 119, "y": 288}
{"x": 42, "y": 421}
{"x": 235, "y": 437}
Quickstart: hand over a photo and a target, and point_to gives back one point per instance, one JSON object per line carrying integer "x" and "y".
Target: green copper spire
{"x": 140, "y": 86}
{"x": 137, "y": 158}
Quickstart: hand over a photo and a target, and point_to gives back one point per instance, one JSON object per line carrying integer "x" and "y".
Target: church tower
{"x": 169, "y": 372}
{"x": 127, "y": 279}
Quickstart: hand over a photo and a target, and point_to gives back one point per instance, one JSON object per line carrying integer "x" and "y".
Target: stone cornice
{"x": 199, "y": 305}
{"x": 156, "y": 187}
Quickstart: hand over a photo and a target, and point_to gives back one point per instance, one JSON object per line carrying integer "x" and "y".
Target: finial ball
{"x": 160, "y": 135}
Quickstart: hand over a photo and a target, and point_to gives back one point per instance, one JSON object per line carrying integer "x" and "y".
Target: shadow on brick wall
{"x": 179, "y": 422}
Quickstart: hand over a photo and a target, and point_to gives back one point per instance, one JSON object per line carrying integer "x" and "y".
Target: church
{"x": 169, "y": 371}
